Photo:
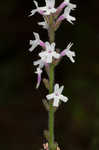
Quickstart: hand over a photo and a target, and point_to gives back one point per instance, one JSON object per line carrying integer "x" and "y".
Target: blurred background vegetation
{"x": 22, "y": 115}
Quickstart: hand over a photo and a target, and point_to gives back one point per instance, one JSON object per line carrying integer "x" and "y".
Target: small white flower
{"x": 57, "y": 96}
{"x": 46, "y": 10}
{"x": 36, "y": 10}
{"x": 67, "y": 15}
{"x": 38, "y": 72}
{"x": 39, "y": 62}
{"x": 44, "y": 24}
{"x": 35, "y": 42}
{"x": 50, "y": 4}
{"x": 49, "y": 53}
{"x": 69, "y": 53}
{"x": 70, "y": 5}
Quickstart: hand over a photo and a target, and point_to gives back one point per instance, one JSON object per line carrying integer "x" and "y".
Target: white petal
{"x": 36, "y": 36}
{"x": 72, "y": 60}
{"x": 70, "y": 19}
{"x": 56, "y": 88}
{"x": 42, "y": 9}
{"x": 33, "y": 12}
{"x": 42, "y": 54}
{"x": 69, "y": 45}
{"x": 53, "y": 10}
{"x": 44, "y": 24}
{"x": 53, "y": 46}
{"x": 50, "y": 3}
{"x": 61, "y": 89}
{"x": 34, "y": 45}
{"x": 56, "y": 55}
{"x": 31, "y": 42}
{"x": 56, "y": 102}
{"x": 50, "y": 96}
{"x": 49, "y": 59}
{"x": 37, "y": 62}
{"x": 66, "y": 12}
{"x": 70, "y": 54}
{"x": 36, "y": 3}
{"x": 48, "y": 47}
{"x": 53, "y": 3}
{"x": 63, "y": 98}
{"x": 67, "y": 1}
{"x": 72, "y": 6}
{"x": 38, "y": 71}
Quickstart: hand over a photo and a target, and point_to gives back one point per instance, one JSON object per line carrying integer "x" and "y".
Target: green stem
{"x": 51, "y": 111}
{"x": 51, "y": 83}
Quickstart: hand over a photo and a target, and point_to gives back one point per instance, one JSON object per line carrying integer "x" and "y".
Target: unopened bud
{"x": 46, "y": 83}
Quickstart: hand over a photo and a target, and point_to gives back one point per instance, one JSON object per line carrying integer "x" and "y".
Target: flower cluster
{"x": 49, "y": 54}
{"x": 49, "y": 9}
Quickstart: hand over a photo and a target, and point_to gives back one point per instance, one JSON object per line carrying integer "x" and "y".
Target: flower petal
{"x": 53, "y": 46}
{"x": 50, "y": 96}
{"x": 37, "y": 62}
{"x": 56, "y": 88}
{"x": 49, "y": 59}
{"x": 34, "y": 45}
{"x": 56, "y": 55}
{"x": 42, "y": 54}
{"x": 33, "y": 12}
{"x": 63, "y": 98}
{"x": 36, "y": 3}
{"x": 36, "y": 36}
{"x": 69, "y": 45}
{"x": 70, "y": 54}
{"x": 56, "y": 102}
{"x": 48, "y": 47}
{"x": 61, "y": 89}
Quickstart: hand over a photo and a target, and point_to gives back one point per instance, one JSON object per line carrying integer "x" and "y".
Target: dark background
{"x": 22, "y": 115}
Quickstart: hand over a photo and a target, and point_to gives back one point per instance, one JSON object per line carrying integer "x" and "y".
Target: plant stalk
{"x": 51, "y": 83}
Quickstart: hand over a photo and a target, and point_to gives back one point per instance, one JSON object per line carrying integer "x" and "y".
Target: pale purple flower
{"x": 66, "y": 15}
{"x": 70, "y": 5}
{"x": 50, "y": 7}
{"x": 38, "y": 72}
{"x": 46, "y": 10}
{"x": 69, "y": 53}
{"x": 64, "y": 4}
{"x": 49, "y": 53}
{"x": 56, "y": 96}
{"x": 36, "y": 42}
{"x": 38, "y": 9}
